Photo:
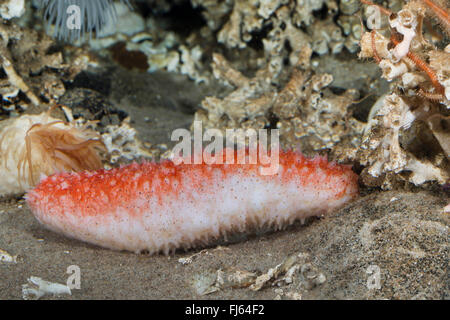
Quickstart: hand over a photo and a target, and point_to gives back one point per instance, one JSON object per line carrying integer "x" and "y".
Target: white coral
{"x": 12, "y": 8}
{"x": 405, "y": 23}
{"x": 383, "y": 152}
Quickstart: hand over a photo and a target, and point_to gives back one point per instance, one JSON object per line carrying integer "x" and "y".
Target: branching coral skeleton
{"x": 421, "y": 91}
{"x": 407, "y": 23}
{"x": 13, "y": 77}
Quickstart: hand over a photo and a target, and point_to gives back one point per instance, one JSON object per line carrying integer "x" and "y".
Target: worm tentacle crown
{"x": 93, "y": 14}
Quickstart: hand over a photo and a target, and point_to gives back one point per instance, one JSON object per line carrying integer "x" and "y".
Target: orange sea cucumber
{"x": 162, "y": 206}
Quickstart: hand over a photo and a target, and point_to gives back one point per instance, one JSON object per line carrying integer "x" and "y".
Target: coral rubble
{"x": 407, "y": 138}
{"x": 306, "y": 113}
{"x": 33, "y": 65}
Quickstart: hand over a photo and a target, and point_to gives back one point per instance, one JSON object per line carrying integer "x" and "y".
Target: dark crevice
{"x": 322, "y": 13}
{"x": 182, "y": 19}
{"x": 258, "y": 36}
{"x": 361, "y": 109}
{"x": 88, "y": 80}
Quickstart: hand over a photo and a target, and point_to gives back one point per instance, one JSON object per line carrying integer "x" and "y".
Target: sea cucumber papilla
{"x": 162, "y": 206}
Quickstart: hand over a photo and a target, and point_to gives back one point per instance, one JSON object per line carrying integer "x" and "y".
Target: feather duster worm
{"x": 36, "y": 145}
{"x": 93, "y": 15}
{"x": 162, "y": 206}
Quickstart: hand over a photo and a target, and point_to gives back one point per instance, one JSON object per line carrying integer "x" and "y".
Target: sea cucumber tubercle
{"x": 158, "y": 207}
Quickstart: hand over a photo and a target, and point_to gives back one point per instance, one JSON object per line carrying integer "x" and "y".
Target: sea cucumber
{"x": 159, "y": 207}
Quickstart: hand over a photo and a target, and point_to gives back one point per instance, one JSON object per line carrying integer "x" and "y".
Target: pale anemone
{"x": 94, "y": 14}
{"x": 32, "y": 146}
